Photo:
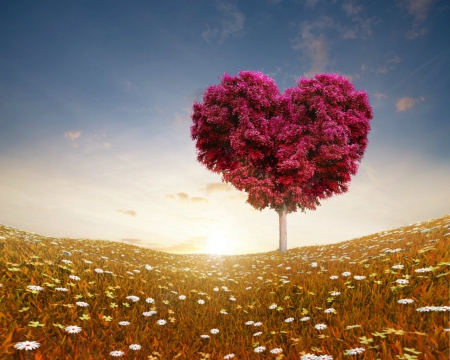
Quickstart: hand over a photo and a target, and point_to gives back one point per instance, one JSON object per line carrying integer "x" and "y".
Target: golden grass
{"x": 368, "y": 314}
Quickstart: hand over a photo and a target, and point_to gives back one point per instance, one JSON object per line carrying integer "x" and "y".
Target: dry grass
{"x": 258, "y": 300}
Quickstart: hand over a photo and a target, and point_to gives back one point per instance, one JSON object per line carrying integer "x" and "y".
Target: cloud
{"x": 416, "y": 33}
{"x": 407, "y": 103}
{"x": 314, "y": 46}
{"x": 90, "y": 142}
{"x": 349, "y": 34}
{"x": 312, "y": 41}
{"x": 356, "y": 15}
{"x": 217, "y": 187}
{"x": 350, "y": 76}
{"x": 211, "y": 188}
{"x": 350, "y": 8}
{"x": 277, "y": 71}
{"x": 232, "y": 23}
{"x": 284, "y": 78}
{"x": 197, "y": 199}
{"x": 388, "y": 65}
{"x": 128, "y": 212}
{"x": 185, "y": 198}
{"x": 419, "y": 10}
{"x": 72, "y": 135}
{"x": 380, "y": 95}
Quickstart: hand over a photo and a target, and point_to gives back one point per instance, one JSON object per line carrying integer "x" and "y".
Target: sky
{"x": 96, "y": 98}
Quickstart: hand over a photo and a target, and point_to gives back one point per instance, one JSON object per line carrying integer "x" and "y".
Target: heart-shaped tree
{"x": 289, "y": 150}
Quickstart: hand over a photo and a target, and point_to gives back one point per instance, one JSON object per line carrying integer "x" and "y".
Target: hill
{"x": 382, "y": 296}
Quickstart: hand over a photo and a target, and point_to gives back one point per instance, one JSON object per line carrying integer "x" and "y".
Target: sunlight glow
{"x": 217, "y": 244}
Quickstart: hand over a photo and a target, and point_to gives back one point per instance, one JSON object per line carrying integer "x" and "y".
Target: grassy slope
{"x": 366, "y": 314}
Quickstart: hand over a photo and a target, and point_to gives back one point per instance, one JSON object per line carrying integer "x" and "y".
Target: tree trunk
{"x": 283, "y": 229}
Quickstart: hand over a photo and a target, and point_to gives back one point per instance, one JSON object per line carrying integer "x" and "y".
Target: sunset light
{"x": 217, "y": 244}
{"x": 96, "y": 104}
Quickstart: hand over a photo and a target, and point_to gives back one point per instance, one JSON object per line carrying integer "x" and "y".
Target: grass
{"x": 383, "y": 296}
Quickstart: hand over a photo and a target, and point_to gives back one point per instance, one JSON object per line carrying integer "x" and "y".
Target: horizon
{"x": 216, "y": 256}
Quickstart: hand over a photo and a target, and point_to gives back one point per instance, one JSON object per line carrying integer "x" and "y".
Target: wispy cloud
{"x": 283, "y": 77}
{"x": 128, "y": 212}
{"x": 419, "y": 10}
{"x": 350, "y": 76}
{"x": 89, "y": 141}
{"x": 406, "y": 103}
{"x": 217, "y": 187}
{"x": 380, "y": 96}
{"x": 232, "y": 22}
{"x": 183, "y": 197}
{"x": 313, "y": 45}
{"x": 357, "y": 15}
{"x": 72, "y": 135}
{"x": 350, "y": 8}
{"x": 388, "y": 65}
{"x": 416, "y": 32}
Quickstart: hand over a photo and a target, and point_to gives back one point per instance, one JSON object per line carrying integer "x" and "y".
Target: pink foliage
{"x": 293, "y": 148}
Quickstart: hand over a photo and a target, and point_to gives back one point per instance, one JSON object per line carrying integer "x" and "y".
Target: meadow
{"x": 382, "y": 296}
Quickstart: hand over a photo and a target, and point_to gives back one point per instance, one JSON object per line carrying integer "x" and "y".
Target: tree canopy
{"x": 292, "y": 149}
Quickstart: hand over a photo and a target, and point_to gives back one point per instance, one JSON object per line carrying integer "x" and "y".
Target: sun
{"x": 217, "y": 244}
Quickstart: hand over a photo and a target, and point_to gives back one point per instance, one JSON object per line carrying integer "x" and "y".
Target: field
{"x": 383, "y": 296}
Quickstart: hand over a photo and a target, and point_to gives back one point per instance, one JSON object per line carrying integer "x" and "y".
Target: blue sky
{"x": 95, "y": 103}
